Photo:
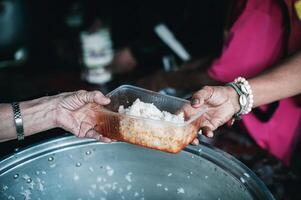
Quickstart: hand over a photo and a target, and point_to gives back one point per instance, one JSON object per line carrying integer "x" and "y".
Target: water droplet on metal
{"x": 78, "y": 164}
{"x": 247, "y": 175}
{"x": 28, "y": 180}
{"x": 88, "y": 153}
{"x": 242, "y": 180}
{"x": 16, "y": 176}
{"x": 50, "y": 159}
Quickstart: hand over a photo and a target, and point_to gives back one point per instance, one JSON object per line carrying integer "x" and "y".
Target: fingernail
{"x": 195, "y": 101}
{"x": 210, "y": 134}
{"x": 107, "y": 140}
{"x": 107, "y": 100}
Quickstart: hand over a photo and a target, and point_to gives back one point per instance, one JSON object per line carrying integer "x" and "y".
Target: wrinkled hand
{"x": 222, "y": 103}
{"x": 71, "y": 113}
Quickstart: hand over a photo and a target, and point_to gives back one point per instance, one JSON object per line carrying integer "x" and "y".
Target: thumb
{"x": 92, "y": 97}
{"x": 200, "y": 97}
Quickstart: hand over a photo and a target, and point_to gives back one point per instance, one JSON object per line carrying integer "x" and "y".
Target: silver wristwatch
{"x": 18, "y": 121}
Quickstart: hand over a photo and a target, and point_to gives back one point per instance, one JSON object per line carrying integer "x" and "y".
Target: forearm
{"x": 38, "y": 115}
{"x": 281, "y": 82}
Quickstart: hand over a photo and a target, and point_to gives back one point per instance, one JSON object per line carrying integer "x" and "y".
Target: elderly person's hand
{"x": 222, "y": 103}
{"x": 72, "y": 115}
{"x": 76, "y": 112}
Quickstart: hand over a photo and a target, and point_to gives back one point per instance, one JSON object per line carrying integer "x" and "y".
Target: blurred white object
{"x": 97, "y": 75}
{"x": 98, "y": 52}
{"x": 20, "y": 57}
{"x": 97, "y": 48}
{"x": 169, "y": 63}
{"x": 171, "y": 41}
{"x": 21, "y": 54}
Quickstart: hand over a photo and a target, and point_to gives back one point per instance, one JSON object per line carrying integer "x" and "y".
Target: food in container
{"x": 169, "y": 136}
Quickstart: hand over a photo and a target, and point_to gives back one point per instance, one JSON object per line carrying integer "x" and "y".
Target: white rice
{"x": 149, "y": 110}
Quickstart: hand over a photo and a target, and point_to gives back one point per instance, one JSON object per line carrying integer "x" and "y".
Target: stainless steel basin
{"x": 72, "y": 168}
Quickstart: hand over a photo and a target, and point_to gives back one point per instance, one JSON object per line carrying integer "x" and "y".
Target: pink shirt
{"x": 256, "y": 42}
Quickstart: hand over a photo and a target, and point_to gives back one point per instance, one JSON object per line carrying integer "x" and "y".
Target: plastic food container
{"x": 157, "y": 134}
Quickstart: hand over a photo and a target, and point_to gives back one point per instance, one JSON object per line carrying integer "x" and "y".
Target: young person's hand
{"x": 222, "y": 103}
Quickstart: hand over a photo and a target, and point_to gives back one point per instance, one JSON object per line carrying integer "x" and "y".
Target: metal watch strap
{"x": 18, "y": 120}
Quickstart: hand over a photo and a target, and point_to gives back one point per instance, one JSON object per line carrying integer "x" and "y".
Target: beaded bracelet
{"x": 246, "y": 89}
{"x": 243, "y": 89}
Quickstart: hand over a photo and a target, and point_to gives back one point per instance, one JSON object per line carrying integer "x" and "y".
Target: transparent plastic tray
{"x": 157, "y": 134}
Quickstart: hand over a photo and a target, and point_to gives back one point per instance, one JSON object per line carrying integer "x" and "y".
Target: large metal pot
{"x": 72, "y": 168}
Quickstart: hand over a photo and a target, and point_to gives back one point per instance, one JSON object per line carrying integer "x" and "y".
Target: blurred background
{"x": 51, "y": 46}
